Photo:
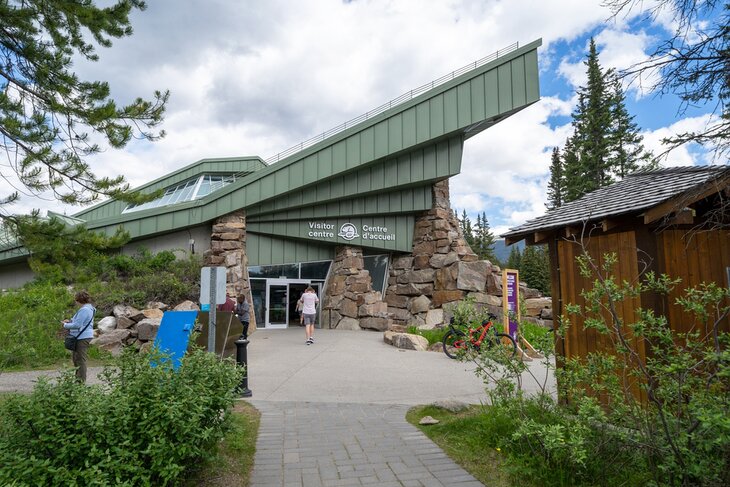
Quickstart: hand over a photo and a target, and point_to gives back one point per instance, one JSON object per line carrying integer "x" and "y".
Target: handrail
{"x": 395, "y": 101}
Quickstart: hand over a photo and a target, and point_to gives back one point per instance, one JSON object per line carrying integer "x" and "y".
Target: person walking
{"x": 309, "y": 310}
{"x": 243, "y": 312}
{"x": 81, "y": 326}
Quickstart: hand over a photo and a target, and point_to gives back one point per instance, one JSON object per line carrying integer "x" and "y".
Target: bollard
{"x": 241, "y": 359}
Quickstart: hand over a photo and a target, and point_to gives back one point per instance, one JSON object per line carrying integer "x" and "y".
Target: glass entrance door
{"x": 277, "y": 309}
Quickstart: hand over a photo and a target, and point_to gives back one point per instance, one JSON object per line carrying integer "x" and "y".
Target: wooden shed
{"x": 672, "y": 221}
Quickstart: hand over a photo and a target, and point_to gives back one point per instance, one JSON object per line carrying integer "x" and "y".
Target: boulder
{"x": 124, "y": 322}
{"x": 428, "y": 420}
{"x": 147, "y": 329}
{"x": 436, "y": 347}
{"x": 546, "y": 314}
{"x": 408, "y": 341}
{"x": 125, "y": 310}
{"x": 112, "y": 342}
{"x": 441, "y": 297}
{"x": 494, "y": 284}
{"x": 106, "y": 324}
{"x": 446, "y": 278}
{"x": 187, "y": 306}
{"x": 472, "y": 276}
{"x": 528, "y": 292}
{"x": 374, "y": 323}
{"x": 418, "y": 276}
{"x": 347, "y": 323}
{"x": 534, "y": 306}
{"x": 379, "y": 309}
{"x": 157, "y": 305}
{"x": 421, "y": 304}
{"x": 483, "y": 298}
{"x": 434, "y": 318}
{"x": 348, "y": 307}
{"x": 153, "y": 313}
{"x": 444, "y": 260}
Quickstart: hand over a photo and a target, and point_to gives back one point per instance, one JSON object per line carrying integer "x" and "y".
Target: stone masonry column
{"x": 350, "y": 302}
{"x": 228, "y": 249}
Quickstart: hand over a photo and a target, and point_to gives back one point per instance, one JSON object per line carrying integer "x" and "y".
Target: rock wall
{"x": 350, "y": 303}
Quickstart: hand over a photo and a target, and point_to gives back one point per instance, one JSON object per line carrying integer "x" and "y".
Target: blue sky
{"x": 255, "y": 78}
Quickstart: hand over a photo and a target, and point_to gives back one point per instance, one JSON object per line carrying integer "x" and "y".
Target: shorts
{"x": 309, "y": 319}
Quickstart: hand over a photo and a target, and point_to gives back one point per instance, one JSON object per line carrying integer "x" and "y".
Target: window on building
{"x": 189, "y": 190}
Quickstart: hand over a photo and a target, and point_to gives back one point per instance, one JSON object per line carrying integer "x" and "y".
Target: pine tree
{"x": 50, "y": 120}
{"x": 484, "y": 239}
{"x": 628, "y": 154}
{"x": 535, "y": 268}
{"x": 556, "y": 183}
{"x": 514, "y": 261}
{"x": 466, "y": 229}
{"x": 606, "y": 142}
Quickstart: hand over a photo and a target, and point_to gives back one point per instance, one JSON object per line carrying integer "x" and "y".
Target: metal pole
{"x": 242, "y": 360}
{"x": 211, "y": 312}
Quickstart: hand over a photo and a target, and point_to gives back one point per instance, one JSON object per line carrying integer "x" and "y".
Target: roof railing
{"x": 394, "y": 102}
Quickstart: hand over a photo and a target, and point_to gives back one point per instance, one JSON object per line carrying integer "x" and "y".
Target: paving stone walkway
{"x": 310, "y": 444}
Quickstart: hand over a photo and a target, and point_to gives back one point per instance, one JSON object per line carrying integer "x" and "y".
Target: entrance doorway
{"x": 275, "y": 301}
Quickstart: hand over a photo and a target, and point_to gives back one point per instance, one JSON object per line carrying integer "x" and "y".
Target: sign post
{"x": 212, "y": 293}
{"x": 511, "y": 302}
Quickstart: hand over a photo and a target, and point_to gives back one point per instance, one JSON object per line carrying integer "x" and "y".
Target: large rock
{"x": 348, "y": 307}
{"x": 396, "y": 301}
{"x": 187, "y": 306}
{"x": 484, "y": 298}
{"x": 124, "y": 322}
{"x": 421, "y": 304}
{"x": 126, "y": 311}
{"x": 534, "y": 306}
{"x": 444, "y": 260}
{"x": 106, "y": 324}
{"x": 473, "y": 275}
{"x": 153, "y": 313}
{"x": 405, "y": 341}
{"x": 147, "y": 329}
{"x": 419, "y": 276}
{"x": 451, "y": 405}
{"x": 374, "y": 323}
{"x": 157, "y": 305}
{"x": 112, "y": 342}
{"x": 546, "y": 314}
{"x": 348, "y": 324}
{"x": 494, "y": 284}
{"x": 441, "y": 297}
{"x": 379, "y": 309}
{"x": 434, "y": 318}
{"x": 446, "y": 278}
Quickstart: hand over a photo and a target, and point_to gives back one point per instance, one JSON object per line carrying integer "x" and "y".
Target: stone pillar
{"x": 228, "y": 249}
{"x": 350, "y": 302}
{"x": 420, "y": 284}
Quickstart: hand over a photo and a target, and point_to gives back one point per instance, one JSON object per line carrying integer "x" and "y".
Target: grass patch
{"x": 433, "y": 336}
{"x": 461, "y": 436}
{"x": 234, "y": 460}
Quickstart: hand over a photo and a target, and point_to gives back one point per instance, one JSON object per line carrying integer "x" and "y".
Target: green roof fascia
{"x": 402, "y": 200}
{"x": 331, "y": 156}
{"x": 246, "y": 164}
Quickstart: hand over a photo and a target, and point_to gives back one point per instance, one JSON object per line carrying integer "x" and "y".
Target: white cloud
{"x": 255, "y": 78}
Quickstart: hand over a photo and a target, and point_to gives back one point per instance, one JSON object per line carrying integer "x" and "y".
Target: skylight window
{"x": 189, "y": 190}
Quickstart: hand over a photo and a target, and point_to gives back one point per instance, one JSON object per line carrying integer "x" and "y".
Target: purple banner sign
{"x": 511, "y": 292}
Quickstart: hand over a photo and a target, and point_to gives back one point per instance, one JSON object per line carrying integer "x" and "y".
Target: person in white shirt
{"x": 309, "y": 302}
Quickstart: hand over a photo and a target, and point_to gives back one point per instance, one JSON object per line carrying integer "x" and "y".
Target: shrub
{"x": 146, "y": 425}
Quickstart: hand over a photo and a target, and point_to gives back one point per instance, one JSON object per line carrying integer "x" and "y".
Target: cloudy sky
{"x": 255, "y": 78}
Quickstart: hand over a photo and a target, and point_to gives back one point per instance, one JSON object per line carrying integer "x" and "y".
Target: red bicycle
{"x": 486, "y": 334}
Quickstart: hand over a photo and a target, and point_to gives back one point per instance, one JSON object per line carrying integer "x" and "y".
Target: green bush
{"x": 146, "y": 425}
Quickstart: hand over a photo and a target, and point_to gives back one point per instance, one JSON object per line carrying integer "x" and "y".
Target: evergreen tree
{"x": 535, "y": 268}
{"x": 555, "y": 185}
{"x": 484, "y": 239}
{"x": 628, "y": 154}
{"x": 514, "y": 261}
{"x": 50, "y": 120}
{"x": 466, "y": 229}
{"x": 605, "y": 142}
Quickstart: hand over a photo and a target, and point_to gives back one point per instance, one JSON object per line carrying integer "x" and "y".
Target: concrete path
{"x": 333, "y": 413}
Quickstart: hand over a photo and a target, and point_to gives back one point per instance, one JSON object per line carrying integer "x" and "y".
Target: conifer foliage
{"x": 479, "y": 237}
{"x": 606, "y": 143}
{"x": 50, "y": 120}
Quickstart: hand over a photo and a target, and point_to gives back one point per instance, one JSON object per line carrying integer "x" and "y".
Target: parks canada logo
{"x": 348, "y": 231}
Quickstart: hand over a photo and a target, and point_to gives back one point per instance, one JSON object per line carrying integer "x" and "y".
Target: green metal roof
{"x": 383, "y": 164}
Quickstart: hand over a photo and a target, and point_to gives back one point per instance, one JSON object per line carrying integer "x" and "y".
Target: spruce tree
{"x": 555, "y": 185}
{"x": 606, "y": 143}
{"x": 484, "y": 239}
{"x": 535, "y": 268}
{"x": 466, "y": 229}
{"x": 514, "y": 261}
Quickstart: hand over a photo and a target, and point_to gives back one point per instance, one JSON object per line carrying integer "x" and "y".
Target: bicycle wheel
{"x": 505, "y": 343}
{"x": 453, "y": 341}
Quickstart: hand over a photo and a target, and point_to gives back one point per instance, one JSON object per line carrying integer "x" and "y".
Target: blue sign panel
{"x": 174, "y": 334}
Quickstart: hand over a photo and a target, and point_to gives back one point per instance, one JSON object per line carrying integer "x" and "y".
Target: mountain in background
{"x": 502, "y": 251}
